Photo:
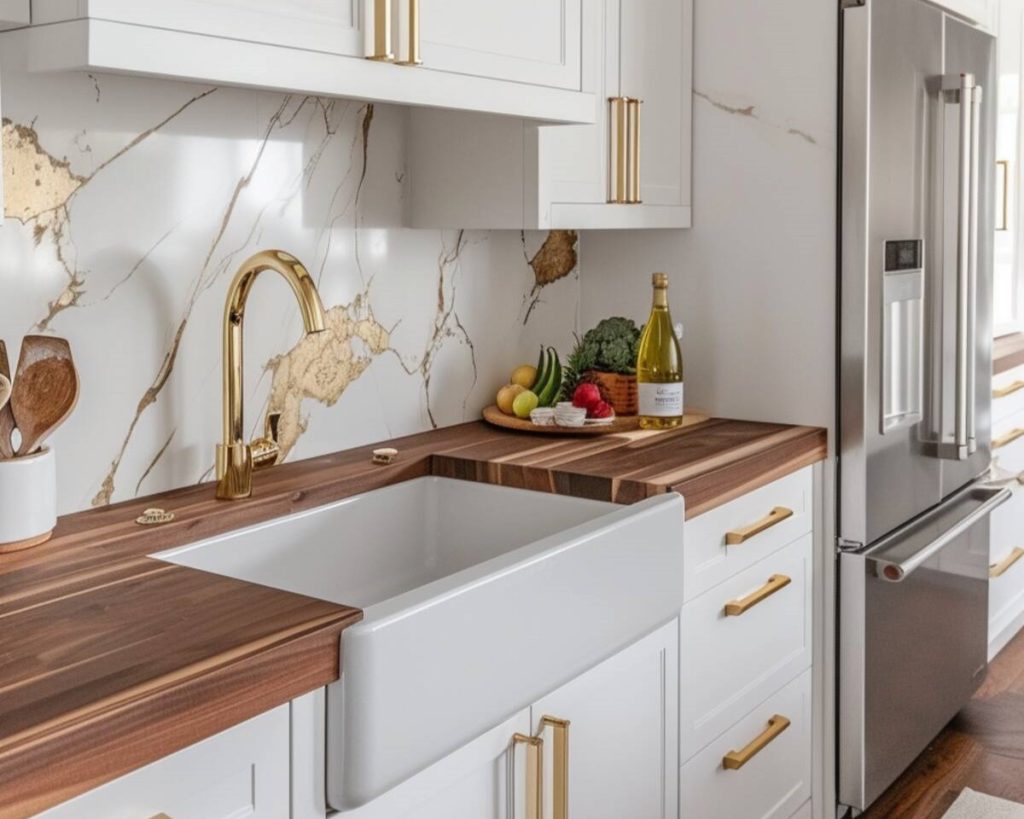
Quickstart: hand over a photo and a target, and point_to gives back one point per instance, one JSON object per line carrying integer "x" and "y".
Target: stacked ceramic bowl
{"x": 566, "y": 415}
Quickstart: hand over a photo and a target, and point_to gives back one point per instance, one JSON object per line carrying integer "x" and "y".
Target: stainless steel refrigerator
{"x": 916, "y": 188}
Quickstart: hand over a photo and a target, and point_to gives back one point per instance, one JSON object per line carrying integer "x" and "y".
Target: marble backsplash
{"x": 131, "y": 202}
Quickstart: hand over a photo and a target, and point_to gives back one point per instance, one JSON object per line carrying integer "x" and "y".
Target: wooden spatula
{"x": 45, "y": 389}
{"x": 6, "y": 415}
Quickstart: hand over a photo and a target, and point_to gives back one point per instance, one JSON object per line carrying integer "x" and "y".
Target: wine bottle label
{"x": 661, "y": 400}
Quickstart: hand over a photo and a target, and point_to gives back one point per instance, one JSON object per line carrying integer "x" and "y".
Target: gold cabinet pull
{"x": 1009, "y": 389}
{"x": 414, "y": 35}
{"x": 1008, "y": 438}
{"x": 1004, "y": 565}
{"x": 560, "y": 785}
{"x": 534, "y": 773}
{"x": 382, "y": 32}
{"x": 773, "y": 518}
{"x": 734, "y": 760}
{"x": 777, "y": 582}
{"x": 160, "y": 816}
{"x": 633, "y": 151}
{"x": 618, "y": 145}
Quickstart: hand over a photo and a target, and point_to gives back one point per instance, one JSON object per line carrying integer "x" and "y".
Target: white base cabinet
{"x": 1006, "y": 534}
{"x": 241, "y": 772}
{"x": 621, "y": 742}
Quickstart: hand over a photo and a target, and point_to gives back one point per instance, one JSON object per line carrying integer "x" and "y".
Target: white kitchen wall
{"x": 131, "y": 202}
{"x": 753, "y": 281}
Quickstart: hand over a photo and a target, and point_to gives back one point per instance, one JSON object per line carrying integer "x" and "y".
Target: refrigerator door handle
{"x": 972, "y": 271}
{"x": 892, "y": 565}
{"x": 962, "y": 88}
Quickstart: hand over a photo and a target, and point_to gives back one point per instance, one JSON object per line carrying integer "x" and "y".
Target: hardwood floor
{"x": 982, "y": 749}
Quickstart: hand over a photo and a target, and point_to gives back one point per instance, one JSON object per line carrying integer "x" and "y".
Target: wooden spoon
{"x": 45, "y": 389}
{"x": 6, "y": 415}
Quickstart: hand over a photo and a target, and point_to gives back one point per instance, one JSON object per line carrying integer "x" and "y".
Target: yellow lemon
{"x": 525, "y": 376}
{"x": 525, "y": 403}
{"x": 506, "y": 397}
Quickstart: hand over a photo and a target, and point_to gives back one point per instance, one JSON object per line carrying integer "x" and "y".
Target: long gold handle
{"x": 414, "y": 35}
{"x": 777, "y": 582}
{"x": 534, "y": 774}
{"x": 382, "y": 32}
{"x": 1008, "y": 438}
{"x": 560, "y": 785}
{"x": 1004, "y": 565}
{"x": 633, "y": 151}
{"x": 1010, "y": 389}
{"x": 734, "y": 760}
{"x": 160, "y": 816}
{"x": 773, "y": 518}
{"x": 618, "y": 145}
{"x": 1004, "y": 181}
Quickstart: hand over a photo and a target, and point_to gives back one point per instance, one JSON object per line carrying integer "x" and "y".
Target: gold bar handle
{"x": 534, "y": 774}
{"x": 777, "y": 582}
{"x": 1010, "y": 389}
{"x": 560, "y": 784}
{"x": 414, "y": 35}
{"x": 633, "y": 151}
{"x": 1004, "y": 181}
{"x": 1004, "y": 565}
{"x": 734, "y": 760}
{"x": 160, "y": 816}
{"x": 618, "y": 147}
{"x": 382, "y": 32}
{"x": 1008, "y": 438}
{"x": 773, "y": 518}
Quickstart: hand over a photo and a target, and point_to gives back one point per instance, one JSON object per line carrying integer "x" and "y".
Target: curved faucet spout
{"x": 236, "y": 459}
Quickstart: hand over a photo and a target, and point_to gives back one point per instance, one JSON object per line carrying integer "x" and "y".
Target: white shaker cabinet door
{"x": 243, "y": 771}
{"x": 623, "y": 734}
{"x": 537, "y": 42}
{"x": 331, "y": 26}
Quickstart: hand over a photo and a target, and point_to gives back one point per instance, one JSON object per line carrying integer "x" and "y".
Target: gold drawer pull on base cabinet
{"x": 777, "y": 582}
{"x": 734, "y": 760}
{"x": 534, "y": 774}
{"x": 1004, "y": 565}
{"x": 773, "y": 518}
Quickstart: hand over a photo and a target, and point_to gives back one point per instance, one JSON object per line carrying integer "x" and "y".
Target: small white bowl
{"x": 543, "y": 416}
{"x": 570, "y": 416}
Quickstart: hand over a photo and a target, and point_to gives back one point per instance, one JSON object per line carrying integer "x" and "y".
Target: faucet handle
{"x": 265, "y": 450}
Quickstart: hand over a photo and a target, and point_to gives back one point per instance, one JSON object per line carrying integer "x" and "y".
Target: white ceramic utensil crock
{"x": 28, "y": 500}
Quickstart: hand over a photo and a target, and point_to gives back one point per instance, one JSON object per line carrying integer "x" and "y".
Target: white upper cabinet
{"x": 332, "y": 26}
{"x": 528, "y": 41}
{"x": 981, "y": 12}
{"x": 631, "y": 169}
{"x": 519, "y": 60}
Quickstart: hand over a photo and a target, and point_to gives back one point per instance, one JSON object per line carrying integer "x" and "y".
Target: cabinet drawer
{"x": 731, "y": 662}
{"x": 763, "y": 521}
{"x": 1008, "y": 442}
{"x": 1006, "y": 580}
{"x": 1007, "y": 393}
{"x": 243, "y": 771}
{"x": 774, "y": 782}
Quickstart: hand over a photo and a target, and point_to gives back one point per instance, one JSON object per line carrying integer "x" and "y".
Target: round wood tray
{"x": 622, "y": 423}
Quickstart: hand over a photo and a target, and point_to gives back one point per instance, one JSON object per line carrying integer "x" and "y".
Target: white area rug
{"x": 973, "y": 805}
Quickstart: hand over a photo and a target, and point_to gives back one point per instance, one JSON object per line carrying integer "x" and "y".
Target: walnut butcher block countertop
{"x": 110, "y": 659}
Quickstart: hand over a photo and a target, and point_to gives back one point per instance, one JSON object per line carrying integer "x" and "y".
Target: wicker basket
{"x": 618, "y": 390}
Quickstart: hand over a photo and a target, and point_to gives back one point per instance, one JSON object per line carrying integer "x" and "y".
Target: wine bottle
{"x": 659, "y": 365}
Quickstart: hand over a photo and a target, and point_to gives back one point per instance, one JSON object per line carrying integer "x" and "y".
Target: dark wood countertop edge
{"x": 56, "y": 763}
{"x": 1007, "y": 353}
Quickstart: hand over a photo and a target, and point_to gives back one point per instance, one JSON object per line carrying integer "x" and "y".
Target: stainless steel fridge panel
{"x": 890, "y": 119}
{"x": 906, "y": 394}
{"x": 913, "y": 639}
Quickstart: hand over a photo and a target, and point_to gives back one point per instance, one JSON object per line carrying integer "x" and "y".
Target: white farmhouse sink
{"x": 477, "y": 600}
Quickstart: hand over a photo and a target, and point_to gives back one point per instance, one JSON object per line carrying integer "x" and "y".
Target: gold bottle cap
{"x": 660, "y": 279}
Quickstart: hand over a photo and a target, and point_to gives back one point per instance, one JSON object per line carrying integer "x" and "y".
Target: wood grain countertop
{"x": 1007, "y": 353}
{"x": 110, "y": 659}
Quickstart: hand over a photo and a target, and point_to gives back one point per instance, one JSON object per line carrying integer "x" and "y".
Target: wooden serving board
{"x": 622, "y": 423}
